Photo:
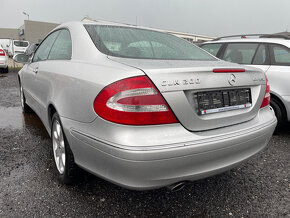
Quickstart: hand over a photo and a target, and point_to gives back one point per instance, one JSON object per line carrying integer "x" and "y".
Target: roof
{"x": 180, "y": 34}
{"x": 251, "y": 39}
{"x": 284, "y": 33}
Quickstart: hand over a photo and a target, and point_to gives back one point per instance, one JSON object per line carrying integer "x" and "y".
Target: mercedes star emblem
{"x": 232, "y": 80}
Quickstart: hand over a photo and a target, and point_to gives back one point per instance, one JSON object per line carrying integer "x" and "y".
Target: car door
{"x": 60, "y": 51}
{"x": 30, "y": 80}
{"x": 279, "y": 72}
{"x": 248, "y": 53}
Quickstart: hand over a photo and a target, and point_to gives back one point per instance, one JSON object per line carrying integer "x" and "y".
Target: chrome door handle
{"x": 35, "y": 70}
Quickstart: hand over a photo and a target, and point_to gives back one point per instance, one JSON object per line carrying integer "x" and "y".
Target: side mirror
{"x": 31, "y": 49}
{"x": 21, "y": 58}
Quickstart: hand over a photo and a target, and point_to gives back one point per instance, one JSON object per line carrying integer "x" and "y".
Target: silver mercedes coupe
{"x": 141, "y": 108}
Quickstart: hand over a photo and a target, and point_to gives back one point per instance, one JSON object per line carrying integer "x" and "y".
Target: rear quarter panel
{"x": 72, "y": 86}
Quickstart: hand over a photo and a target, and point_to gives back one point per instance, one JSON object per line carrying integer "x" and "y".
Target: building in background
{"x": 7, "y": 33}
{"x": 32, "y": 31}
{"x": 35, "y": 31}
{"x": 194, "y": 38}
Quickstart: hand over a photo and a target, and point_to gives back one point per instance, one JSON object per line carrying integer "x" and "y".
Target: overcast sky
{"x": 204, "y": 17}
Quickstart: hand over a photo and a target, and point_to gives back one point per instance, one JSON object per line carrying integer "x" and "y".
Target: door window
{"x": 260, "y": 57}
{"x": 281, "y": 55}
{"x": 241, "y": 53}
{"x": 212, "y": 48}
{"x": 62, "y": 47}
{"x": 44, "y": 48}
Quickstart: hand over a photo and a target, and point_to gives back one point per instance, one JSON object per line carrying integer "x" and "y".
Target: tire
{"x": 277, "y": 107}
{"x": 66, "y": 169}
{"x": 24, "y": 106}
{"x": 5, "y": 70}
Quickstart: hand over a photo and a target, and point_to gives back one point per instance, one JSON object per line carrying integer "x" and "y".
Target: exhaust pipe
{"x": 176, "y": 186}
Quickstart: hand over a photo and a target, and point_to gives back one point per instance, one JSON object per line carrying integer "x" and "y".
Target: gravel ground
{"x": 12, "y": 63}
{"x": 29, "y": 188}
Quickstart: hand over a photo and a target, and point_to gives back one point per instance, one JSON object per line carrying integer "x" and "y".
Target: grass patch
{"x": 14, "y": 69}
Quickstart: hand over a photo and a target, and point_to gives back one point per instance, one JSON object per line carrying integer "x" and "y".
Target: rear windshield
{"x": 145, "y": 44}
{"x": 20, "y": 43}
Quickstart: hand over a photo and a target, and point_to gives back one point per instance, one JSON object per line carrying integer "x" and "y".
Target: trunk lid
{"x": 181, "y": 82}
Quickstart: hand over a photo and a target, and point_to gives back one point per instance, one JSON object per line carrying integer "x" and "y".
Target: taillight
{"x": 133, "y": 101}
{"x": 266, "y": 100}
{"x": 2, "y": 52}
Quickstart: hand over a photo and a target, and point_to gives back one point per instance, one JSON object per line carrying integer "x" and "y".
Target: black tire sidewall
{"x": 4, "y": 70}
{"x": 69, "y": 174}
{"x": 278, "y": 111}
{"x": 25, "y": 107}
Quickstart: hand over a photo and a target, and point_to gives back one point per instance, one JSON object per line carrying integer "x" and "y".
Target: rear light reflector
{"x": 2, "y": 52}
{"x": 266, "y": 100}
{"x": 133, "y": 101}
{"x": 228, "y": 70}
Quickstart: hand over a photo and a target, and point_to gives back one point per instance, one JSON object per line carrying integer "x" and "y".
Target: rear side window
{"x": 281, "y": 55}
{"x": 241, "y": 53}
{"x": 21, "y": 43}
{"x": 43, "y": 50}
{"x": 212, "y": 48}
{"x": 62, "y": 47}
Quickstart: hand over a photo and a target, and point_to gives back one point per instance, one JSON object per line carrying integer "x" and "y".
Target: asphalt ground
{"x": 259, "y": 187}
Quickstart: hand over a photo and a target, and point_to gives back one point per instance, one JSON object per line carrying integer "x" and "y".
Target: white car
{"x": 270, "y": 53}
{"x": 3, "y": 61}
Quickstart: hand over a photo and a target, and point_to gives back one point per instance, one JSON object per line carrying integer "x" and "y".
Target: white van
{"x": 19, "y": 46}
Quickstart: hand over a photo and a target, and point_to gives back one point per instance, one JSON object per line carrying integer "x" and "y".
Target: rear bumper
{"x": 3, "y": 62}
{"x": 147, "y": 167}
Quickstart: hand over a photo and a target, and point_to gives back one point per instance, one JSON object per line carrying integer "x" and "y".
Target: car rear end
{"x": 3, "y": 60}
{"x": 20, "y": 46}
{"x": 180, "y": 120}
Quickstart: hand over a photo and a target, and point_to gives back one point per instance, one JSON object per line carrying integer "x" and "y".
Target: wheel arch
{"x": 280, "y": 102}
{"x": 51, "y": 110}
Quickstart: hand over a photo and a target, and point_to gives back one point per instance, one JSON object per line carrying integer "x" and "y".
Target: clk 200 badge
{"x": 180, "y": 82}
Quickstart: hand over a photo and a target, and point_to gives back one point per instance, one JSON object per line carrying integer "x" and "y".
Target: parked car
{"x": 19, "y": 46}
{"x": 141, "y": 108}
{"x": 3, "y": 61}
{"x": 270, "y": 53}
{"x": 6, "y": 44}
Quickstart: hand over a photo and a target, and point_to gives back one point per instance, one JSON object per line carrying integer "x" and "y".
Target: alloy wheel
{"x": 58, "y": 146}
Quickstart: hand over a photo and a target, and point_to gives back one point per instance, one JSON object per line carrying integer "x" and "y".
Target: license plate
{"x": 222, "y": 100}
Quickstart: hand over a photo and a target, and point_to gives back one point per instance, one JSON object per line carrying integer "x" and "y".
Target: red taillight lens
{"x": 2, "y": 52}
{"x": 133, "y": 101}
{"x": 266, "y": 100}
